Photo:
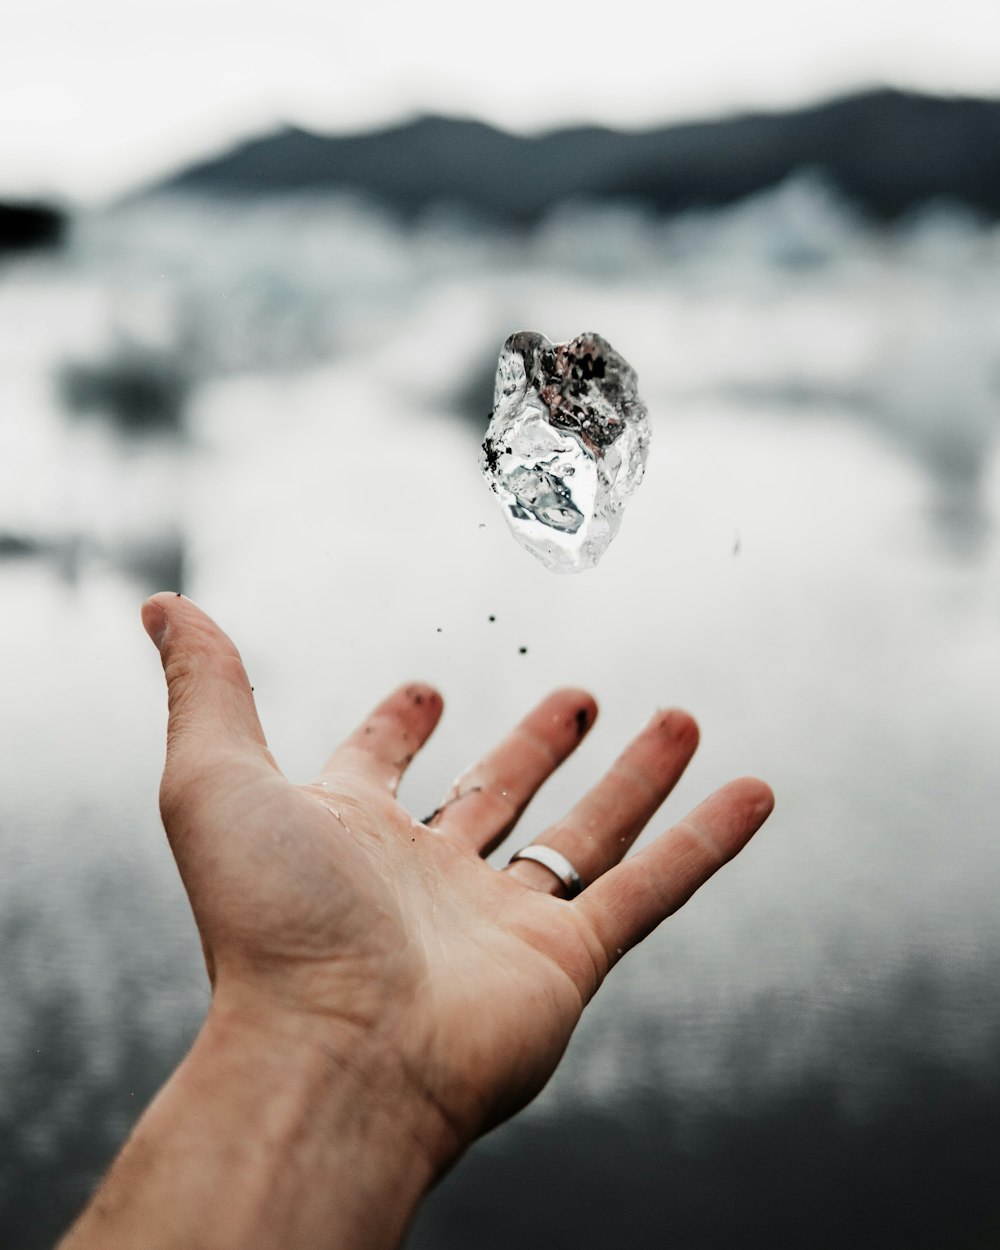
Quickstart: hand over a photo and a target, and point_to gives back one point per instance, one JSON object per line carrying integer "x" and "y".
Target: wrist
{"x": 342, "y": 1146}
{"x": 272, "y": 1134}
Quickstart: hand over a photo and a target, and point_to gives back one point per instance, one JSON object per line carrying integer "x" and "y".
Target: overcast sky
{"x": 98, "y": 94}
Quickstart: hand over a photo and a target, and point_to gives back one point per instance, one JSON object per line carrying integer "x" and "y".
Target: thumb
{"x": 209, "y": 699}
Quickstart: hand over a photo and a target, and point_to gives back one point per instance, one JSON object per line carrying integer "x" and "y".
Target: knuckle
{"x": 694, "y": 844}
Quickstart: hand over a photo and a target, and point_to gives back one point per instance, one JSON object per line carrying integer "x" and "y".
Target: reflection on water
{"x": 811, "y": 568}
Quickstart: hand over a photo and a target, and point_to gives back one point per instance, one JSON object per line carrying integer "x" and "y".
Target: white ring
{"x": 555, "y": 862}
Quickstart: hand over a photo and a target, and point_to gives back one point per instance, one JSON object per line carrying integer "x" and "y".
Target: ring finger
{"x": 599, "y": 830}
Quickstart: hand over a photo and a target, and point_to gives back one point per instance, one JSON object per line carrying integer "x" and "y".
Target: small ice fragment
{"x": 566, "y": 445}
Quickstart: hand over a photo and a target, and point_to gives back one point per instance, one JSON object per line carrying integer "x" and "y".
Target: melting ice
{"x": 566, "y": 445}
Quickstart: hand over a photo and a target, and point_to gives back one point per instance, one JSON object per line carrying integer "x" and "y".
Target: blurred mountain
{"x": 887, "y": 150}
{"x": 24, "y": 226}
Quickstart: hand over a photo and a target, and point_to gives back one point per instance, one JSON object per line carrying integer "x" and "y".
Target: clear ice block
{"x": 566, "y": 445}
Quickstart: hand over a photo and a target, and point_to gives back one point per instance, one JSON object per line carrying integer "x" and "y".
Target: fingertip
{"x": 417, "y": 705}
{"x": 678, "y": 726}
{"x": 424, "y": 696}
{"x": 157, "y": 611}
{"x": 582, "y": 707}
{"x": 757, "y": 797}
{"x": 765, "y": 800}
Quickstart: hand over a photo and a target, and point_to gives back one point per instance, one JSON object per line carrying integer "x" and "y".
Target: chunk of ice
{"x": 566, "y": 445}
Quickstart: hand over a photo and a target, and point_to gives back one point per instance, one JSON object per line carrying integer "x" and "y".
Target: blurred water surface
{"x": 277, "y": 408}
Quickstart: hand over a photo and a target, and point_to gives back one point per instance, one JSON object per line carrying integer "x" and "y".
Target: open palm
{"x": 330, "y": 907}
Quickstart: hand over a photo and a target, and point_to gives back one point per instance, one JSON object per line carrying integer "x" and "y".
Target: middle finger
{"x": 485, "y": 803}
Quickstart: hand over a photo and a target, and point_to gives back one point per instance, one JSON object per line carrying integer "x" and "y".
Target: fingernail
{"x": 154, "y": 621}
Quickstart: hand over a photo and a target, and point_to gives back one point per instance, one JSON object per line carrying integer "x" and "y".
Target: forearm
{"x": 261, "y": 1141}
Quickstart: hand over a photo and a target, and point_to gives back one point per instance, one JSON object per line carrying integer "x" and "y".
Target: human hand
{"x": 327, "y": 913}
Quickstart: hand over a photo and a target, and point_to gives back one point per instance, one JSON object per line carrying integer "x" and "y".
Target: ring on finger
{"x": 555, "y": 862}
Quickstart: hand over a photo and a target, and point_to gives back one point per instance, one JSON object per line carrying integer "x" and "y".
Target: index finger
{"x": 382, "y": 747}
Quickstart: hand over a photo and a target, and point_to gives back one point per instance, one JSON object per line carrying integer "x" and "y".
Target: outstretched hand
{"x": 328, "y": 913}
{"x": 381, "y": 994}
